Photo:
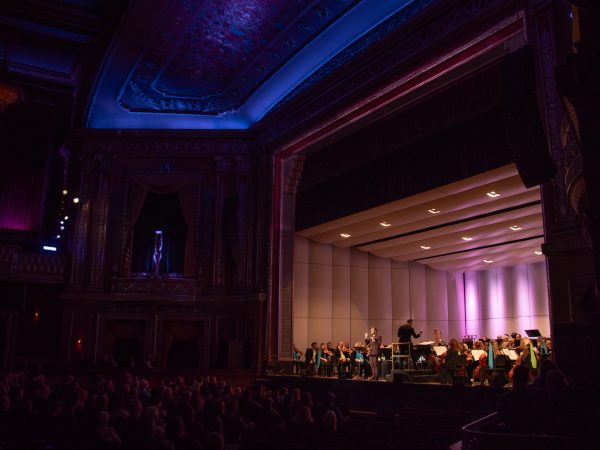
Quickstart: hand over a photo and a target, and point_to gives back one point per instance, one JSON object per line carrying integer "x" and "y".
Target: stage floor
{"x": 376, "y": 395}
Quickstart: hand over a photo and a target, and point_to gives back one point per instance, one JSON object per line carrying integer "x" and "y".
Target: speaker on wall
{"x": 524, "y": 131}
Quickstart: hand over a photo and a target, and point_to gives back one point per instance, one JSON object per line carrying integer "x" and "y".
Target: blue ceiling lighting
{"x": 226, "y": 64}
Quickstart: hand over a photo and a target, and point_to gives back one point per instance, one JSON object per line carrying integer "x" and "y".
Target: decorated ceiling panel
{"x": 226, "y": 63}
{"x": 228, "y": 49}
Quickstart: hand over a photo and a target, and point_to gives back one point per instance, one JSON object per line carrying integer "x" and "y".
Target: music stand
{"x": 533, "y": 333}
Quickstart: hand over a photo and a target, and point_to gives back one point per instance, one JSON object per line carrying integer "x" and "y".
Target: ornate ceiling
{"x": 225, "y": 64}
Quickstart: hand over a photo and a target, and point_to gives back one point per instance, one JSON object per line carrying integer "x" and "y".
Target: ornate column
{"x": 242, "y": 167}
{"x": 579, "y": 84}
{"x": 222, "y": 166}
{"x": 82, "y": 225}
{"x": 287, "y": 174}
{"x": 100, "y": 224}
{"x": 569, "y": 258}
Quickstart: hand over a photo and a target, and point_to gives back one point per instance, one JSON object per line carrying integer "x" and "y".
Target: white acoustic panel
{"x": 319, "y": 330}
{"x": 340, "y": 293}
{"x": 380, "y": 289}
{"x": 300, "y": 337}
{"x": 320, "y": 281}
{"x": 340, "y": 330}
{"x": 417, "y": 289}
{"x": 400, "y": 292}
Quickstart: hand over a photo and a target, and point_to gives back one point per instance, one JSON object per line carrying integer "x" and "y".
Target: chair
{"x": 451, "y": 368}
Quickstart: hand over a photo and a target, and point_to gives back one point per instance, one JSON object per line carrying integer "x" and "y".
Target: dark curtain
{"x": 160, "y": 212}
{"x": 181, "y": 188}
{"x": 182, "y": 341}
{"x": 124, "y": 338}
{"x": 188, "y": 204}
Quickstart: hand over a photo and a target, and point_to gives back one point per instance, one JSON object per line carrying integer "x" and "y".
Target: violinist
{"x": 530, "y": 358}
{"x": 328, "y": 356}
{"x": 450, "y": 361}
{"x": 343, "y": 354}
{"x": 471, "y": 363}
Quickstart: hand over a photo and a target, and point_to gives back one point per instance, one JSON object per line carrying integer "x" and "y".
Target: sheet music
{"x": 477, "y": 354}
{"x": 439, "y": 350}
{"x": 512, "y": 355}
{"x": 426, "y": 343}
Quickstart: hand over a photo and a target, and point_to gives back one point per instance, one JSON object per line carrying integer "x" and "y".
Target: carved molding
{"x": 169, "y": 288}
{"x": 42, "y": 268}
{"x": 293, "y": 173}
{"x": 560, "y": 246}
{"x": 145, "y": 145}
{"x": 393, "y": 59}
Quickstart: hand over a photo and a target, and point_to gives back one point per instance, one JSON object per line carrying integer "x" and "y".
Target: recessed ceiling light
{"x": 65, "y": 192}
{"x": 537, "y": 252}
{"x": 467, "y": 238}
{"x": 515, "y": 228}
{"x": 76, "y": 200}
{"x": 385, "y": 224}
{"x": 434, "y": 211}
{"x": 345, "y": 235}
{"x": 492, "y": 194}
{"x": 425, "y": 247}
{"x": 488, "y": 261}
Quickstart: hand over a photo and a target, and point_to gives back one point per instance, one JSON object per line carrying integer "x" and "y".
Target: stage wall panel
{"x": 340, "y": 293}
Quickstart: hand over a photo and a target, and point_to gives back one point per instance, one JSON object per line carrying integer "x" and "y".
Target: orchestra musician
{"x": 325, "y": 358}
{"x": 297, "y": 358}
{"x": 450, "y": 361}
{"x": 482, "y": 361}
{"x": 310, "y": 359}
{"x": 357, "y": 360}
{"x": 333, "y": 355}
{"x": 343, "y": 355}
{"x": 532, "y": 362}
{"x": 373, "y": 342}
{"x": 471, "y": 363}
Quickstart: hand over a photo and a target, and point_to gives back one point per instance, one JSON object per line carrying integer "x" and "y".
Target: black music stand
{"x": 533, "y": 333}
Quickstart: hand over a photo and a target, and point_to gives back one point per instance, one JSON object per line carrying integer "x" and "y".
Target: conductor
{"x": 405, "y": 333}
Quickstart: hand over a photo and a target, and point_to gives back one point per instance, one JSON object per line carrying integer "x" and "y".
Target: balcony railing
{"x": 19, "y": 266}
{"x": 487, "y": 434}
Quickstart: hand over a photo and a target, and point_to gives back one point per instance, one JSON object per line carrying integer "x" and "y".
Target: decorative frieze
{"x": 159, "y": 287}
{"x": 42, "y": 268}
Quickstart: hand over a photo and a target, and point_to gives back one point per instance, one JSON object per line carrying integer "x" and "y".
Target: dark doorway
{"x": 183, "y": 354}
{"x": 127, "y": 351}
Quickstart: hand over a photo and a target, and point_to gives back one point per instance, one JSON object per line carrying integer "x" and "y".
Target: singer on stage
{"x": 373, "y": 344}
